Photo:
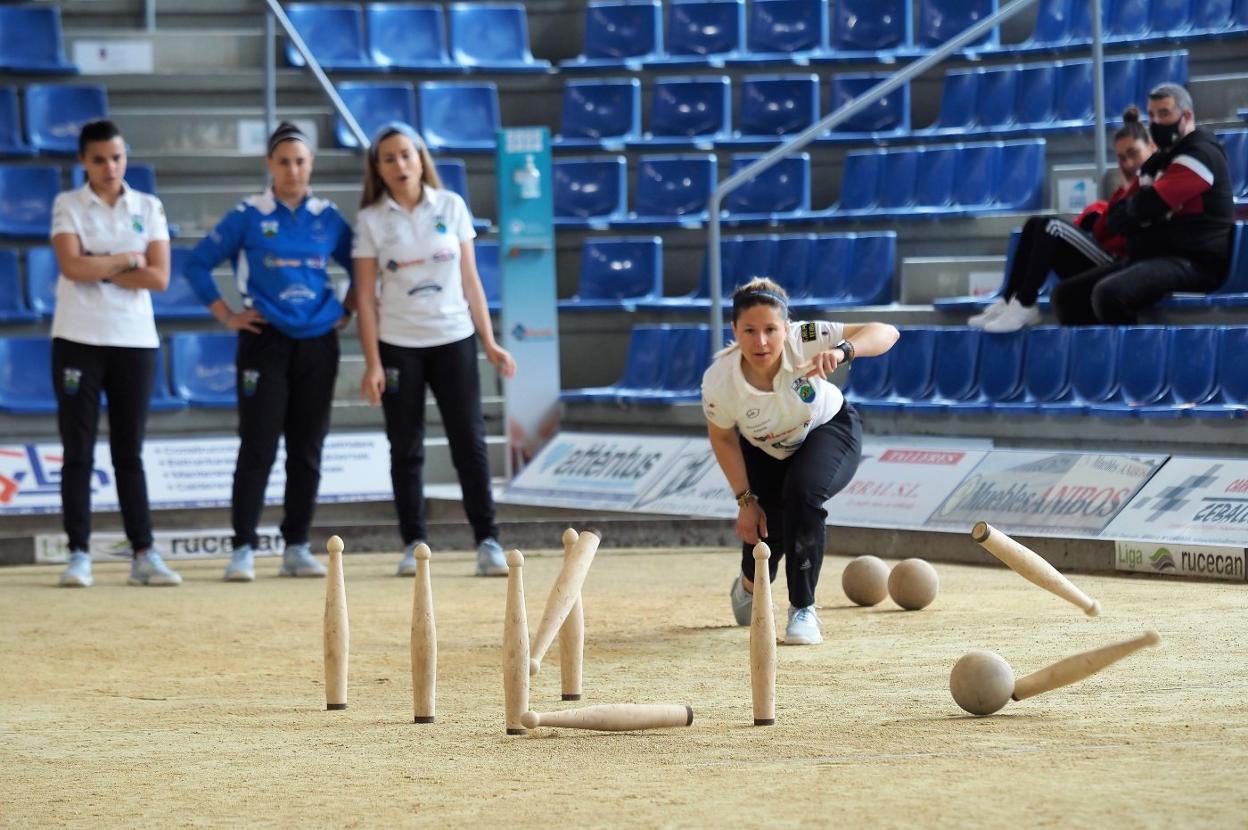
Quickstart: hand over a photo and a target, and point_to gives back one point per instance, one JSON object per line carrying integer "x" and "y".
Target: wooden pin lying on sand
{"x": 614, "y": 717}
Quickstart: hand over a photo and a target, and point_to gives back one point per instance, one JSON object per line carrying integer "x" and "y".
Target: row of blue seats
{"x": 664, "y": 366}
{"x": 1134, "y": 371}
{"x": 1233, "y": 293}
{"x": 30, "y": 40}
{"x": 54, "y": 116}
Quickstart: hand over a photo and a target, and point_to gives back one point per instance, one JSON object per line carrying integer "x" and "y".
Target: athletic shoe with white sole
{"x": 242, "y": 567}
{"x": 803, "y": 629}
{"x": 297, "y": 560}
{"x": 77, "y": 573}
{"x": 1016, "y": 316}
{"x": 490, "y": 559}
{"x": 149, "y": 569}
{"x": 407, "y": 565}
{"x": 990, "y": 313}
{"x": 742, "y": 602}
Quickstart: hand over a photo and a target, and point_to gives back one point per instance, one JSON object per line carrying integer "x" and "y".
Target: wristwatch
{"x": 847, "y": 349}
{"x": 745, "y": 497}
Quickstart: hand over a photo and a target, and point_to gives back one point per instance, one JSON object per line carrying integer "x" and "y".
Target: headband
{"x": 287, "y": 131}
{"x": 394, "y": 128}
{"x": 761, "y": 293}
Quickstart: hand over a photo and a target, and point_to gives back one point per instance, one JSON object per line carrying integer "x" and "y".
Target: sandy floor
{"x": 203, "y": 706}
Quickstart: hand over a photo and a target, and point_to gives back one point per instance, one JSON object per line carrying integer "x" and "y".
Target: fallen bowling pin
{"x": 1032, "y": 566}
{"x": 336, "y": 630}
{"x": 982, "y": 682}
{"x": 614, "y": 717}
{"x": 564, "y": 594}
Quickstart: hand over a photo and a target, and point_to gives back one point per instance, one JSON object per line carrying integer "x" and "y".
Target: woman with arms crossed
{"x": 786, "y": 438}
{"x": 420, "y": 329}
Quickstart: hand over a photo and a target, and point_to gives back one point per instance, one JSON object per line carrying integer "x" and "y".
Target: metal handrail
{"x": 866, "y": 99}
{"x": 276, "y": 12}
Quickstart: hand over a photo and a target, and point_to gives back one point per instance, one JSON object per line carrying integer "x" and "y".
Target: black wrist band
{"x": 847, "y": 349}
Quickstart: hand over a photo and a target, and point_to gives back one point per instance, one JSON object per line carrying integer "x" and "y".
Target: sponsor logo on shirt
{"x": 392, "y": 380}
{"x": 251, "y": 379}
{"x": 315, "y": 262}
{"x": 297, "y": 293}
{"x": 395, "y": 265}
{"x": 439, "y": 224}
{"x": 809, "y": 333}
{"x": 444, "y": 255}
{"x": 136, "y": 222}
{"x": 804, "y": 389}
{"x": 268, "y": 228}
{"x": 71, "y": 379}
{"x": 424, "y": 288}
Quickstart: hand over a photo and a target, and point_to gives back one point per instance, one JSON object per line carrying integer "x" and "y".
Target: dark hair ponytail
{"x": 1132, "y": 127}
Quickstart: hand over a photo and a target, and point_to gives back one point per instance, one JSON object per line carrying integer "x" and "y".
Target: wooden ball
{"x": 913, "y": 584}
{"x": 865, "y": 580}
{"x": 981, "y": 682}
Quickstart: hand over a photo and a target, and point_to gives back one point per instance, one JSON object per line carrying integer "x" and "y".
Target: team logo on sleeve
{"x": 809, "y": 333}
{"x": 251, "y": 379}
{"x": 804, "y": 389}
{"x": 71, "y": 379}
{"x": 269, "y": 228}
{"x": 392, "y": 381}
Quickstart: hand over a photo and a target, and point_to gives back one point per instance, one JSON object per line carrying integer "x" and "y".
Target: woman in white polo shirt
{"x": 786, "y": 439}
{"x": 112, "y": 247}
{"x": 420, "y": 303}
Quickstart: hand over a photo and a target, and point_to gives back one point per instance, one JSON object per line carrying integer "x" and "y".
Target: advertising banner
{"x": 1045, "y": 493}
{"x": 899, "y": 486}
{"x": 1180, "y": 559}
{"x": 1199, "y": 501}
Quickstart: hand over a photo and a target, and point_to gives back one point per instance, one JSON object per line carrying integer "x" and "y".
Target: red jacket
{"x": 1095, "y": 214}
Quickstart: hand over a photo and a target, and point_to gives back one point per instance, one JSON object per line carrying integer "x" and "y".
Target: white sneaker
{"x": 149, "y": 569}
{"x": 988, "y": 314}
{"x": 803, "y": 629}
{"x": 490, "y": 559}
{"x": 407, "y": 565}
{"x": 242, "y": 567}
{"x": 77, "y": 573}
{"x": 297, "y": 560}
{"x": 742, "y": 602}
{"x": 1014, "y": 317}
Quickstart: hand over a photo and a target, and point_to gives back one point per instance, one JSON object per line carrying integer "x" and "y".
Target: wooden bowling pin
{"x": 1031, "y": 566}
{"x": 615, "y": 717}
{"x": 1078, "y": 666}
{"x": 563, "y": 595}
{"x": 336, "y": 630}
{"x": 424, "y": 641}
{"x": 515, "y": 647}
{"x": 571, "y": 636}
{"x": 763, "y": 641}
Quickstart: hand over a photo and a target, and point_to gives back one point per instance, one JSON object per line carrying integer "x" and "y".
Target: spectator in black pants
{"x": 1178, "y": 223}
{"x": 112, "y": 248}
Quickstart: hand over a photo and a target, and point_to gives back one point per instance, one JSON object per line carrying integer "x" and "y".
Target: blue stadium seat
{"x": 1035, "y": 104}
{"x": 589, "y": 192}
{"x": 911, "y": 370}
{"x": 602, "y": 113}
{"x": 163, "y": 399}
{"x": 779, "y": 193}
{"x": 1093, "y": 371}
{"x": 26, "y": 376}
{"x": 12, "y": 144}
{"x": 1021, "y": 179}
{"x": 859, "y": 184}
{"x": 741, "y": 258}
{"x": 178, "y": 301}
{"x": 42, "y": 272}
{"x": 887, "y": 117}
{"x": 26, "y": 195}
{"x": 869, "y": 379}
{"x": 647, "y": 353}
{"x": 459, "y": 116}
{"x": 688, "y": 112}
{"x": 1122, "y": 86}
{"x": 374, "y": 104}
{"x": 1126, "y": 21}
{"x": 1142, "y": 377}
{"x": 454, "y": 176}
{"x": 827, "y": 277}
{"x": 492, "y": 37}
{"x": 1231, "y": 400}
{"x": 1167, "y": 67}
{"x": 785, "y": 31}
{"x": 1219, "y": 18}
{"x": 978, "y": 170}
{"x": 491, "y": 273}
{"x": 934, "y": 188}
{"x": 1169, "y": 19}
{"x": 1234, "y": 292}
{"x": 958, "y": 98}
{"x": 899, "y": 179}
{"x": 333, "y": 33}
{"x": 688, "y": 353}
{"x": 867, "y": 28}
{"x": 1060, "y": 24}
{"x": 1192, "y": 372}
{"x": 30, "y": 40}
{"x": 618, "y": 272}
{"x": 773, "y": 107}
{"x": 702, "y": 33}
{"x": 203, "y": 368}
{"x": 409, "y": 37}
{"x": 793, "y": 257}
{"x": 955, "y": 371}
{"x": 994, "y": 109}
{"x": 1045, "y": 370}
{"x": 619, "y": 34}
{"x": 55, "y": 115}
{"x": 141, "y": 177}
{"x": 869, "y": 278}
{"x": 1001, "y": 370}
{"x": 13, "y": 307}
{"x": 672, "y": 191}
{"x": 940, "y": 20}
{"x": 1074, "y": 93}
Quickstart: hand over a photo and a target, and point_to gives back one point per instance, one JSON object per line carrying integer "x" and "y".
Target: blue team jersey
{"x": 280, "y": 258}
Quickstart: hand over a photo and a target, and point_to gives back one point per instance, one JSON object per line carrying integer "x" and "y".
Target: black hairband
{"x": 286, "y": 131}
{"x": 761, "y": 292}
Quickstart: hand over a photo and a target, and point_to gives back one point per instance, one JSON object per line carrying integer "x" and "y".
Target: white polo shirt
{"x": 775, "y": 421}
{"x": 421, "y": 290}
{"x": 101, "y": 313}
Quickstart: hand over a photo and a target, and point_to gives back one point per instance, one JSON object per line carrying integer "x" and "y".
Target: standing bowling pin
{"x": 763, "y": 641}
{"x": 563, "y": 595}
{"x": 337, "y": 633}
{"x": 424, "y": 642}
{"x": 571, "y": 636}
{"x": 515, "y": 647}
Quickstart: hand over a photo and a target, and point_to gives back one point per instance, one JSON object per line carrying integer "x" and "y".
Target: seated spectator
{"x": 1178, "y": 221}
{"x": 1051, "y": 244}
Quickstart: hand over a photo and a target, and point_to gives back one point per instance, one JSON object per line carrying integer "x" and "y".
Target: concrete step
{"x": 196, "y": 129}
{"x": 924, "y": 279}
{"x": 198, "y": 208}
{"x": 187, "y": 50}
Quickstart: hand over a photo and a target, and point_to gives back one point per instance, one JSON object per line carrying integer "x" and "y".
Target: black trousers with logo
{"x": 80, "y": 373}
{"x": 792, "y": 492}
{"x": 285, "y": 389}
{"x": 450, "y": 371}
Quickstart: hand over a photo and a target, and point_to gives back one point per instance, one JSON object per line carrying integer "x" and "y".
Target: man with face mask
{"x": 1178, "y": 222}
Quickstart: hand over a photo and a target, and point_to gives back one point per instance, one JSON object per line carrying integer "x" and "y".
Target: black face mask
{"x": 1164, "y": 136}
